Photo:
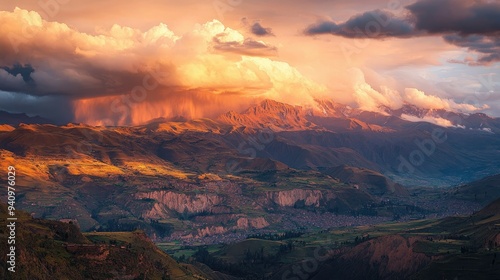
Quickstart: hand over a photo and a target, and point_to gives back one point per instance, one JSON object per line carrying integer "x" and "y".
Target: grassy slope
{"x": 55, "y": 250}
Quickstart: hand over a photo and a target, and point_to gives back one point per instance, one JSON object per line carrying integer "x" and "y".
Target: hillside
{"x": 484, "y": 190}
{"x": 369, "y": 180}
{"x": 56, "y": 250}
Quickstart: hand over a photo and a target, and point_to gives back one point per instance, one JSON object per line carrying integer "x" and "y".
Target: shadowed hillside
{"x": 56, "y": 250}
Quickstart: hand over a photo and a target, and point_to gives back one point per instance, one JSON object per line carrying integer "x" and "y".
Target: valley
{"x": 206, "y": 189}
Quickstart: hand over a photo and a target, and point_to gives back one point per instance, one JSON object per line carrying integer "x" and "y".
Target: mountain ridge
{"x": 325, "y": 114}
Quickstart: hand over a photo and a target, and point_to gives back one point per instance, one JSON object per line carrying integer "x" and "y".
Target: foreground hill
{"x": 56, "y": 250}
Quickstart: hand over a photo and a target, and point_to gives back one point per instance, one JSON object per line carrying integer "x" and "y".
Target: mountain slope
{"x": 484, "y": 190}
{"x": 16, "y": 119}
{"x": 55, "y": 250}
{"x": 269, "y": 114}
{"x": 374, "y": 182}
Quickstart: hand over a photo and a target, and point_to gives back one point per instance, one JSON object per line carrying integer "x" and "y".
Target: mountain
{"x": 6, "y": 128}
{"x": 240, "y": 172}
{"x": 16, "y": 119}
{"x": 475, "y": 121}
{"x": 484, "y": 190}
{"x": 269, "y": 114}
{"x": 330, "y": 108}
{"x": 478, "y": 254}
{"x": 369, "y": 180}
{"x": 277, "y": 116}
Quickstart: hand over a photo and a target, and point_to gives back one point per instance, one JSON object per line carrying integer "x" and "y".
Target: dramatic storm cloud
{"x": 94, "y": 70}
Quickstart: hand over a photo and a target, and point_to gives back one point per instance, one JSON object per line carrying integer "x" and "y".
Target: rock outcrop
{"x": 290, "y": 198}
{"x": 183, "y": 203}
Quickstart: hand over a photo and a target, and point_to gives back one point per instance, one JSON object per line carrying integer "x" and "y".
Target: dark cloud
{"x": 79, "y": 79}
{"x": 457, "y": 16}
{"x": 488, "y": 47}
{"x": 374, "y": 24}
{"x": 247, "y": 47}
{"x": 25, "y": 71}
{"x": 58, "y": 109}
{"x": 259, "y": 30}
{"x": 474, "y": 25}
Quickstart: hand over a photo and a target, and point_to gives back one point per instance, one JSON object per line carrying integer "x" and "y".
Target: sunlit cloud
{"x": 430, "y": 119}
{"x": 370, "y": 99}
{"x": 419, "y": 98}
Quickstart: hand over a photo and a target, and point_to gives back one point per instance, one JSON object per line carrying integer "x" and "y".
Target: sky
{"x": 126, "y": 62}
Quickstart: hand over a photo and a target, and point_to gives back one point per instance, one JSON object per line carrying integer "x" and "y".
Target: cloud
{"x": 248, "y": 47}
{"x": 211, "y": 66}
{"x": 25, "y": 71}
{"x": 488, "y": 47}
{"x": 56, "y": 108}
{"x": 422, "y": 100}
{"x": 374, "y": 24}
{"x": 370, "y": 99}
{"x": 367, "y": 98}
{"x": 259, "y": 30}
{"x": 429, "y": 119}
{"x": 474, "y": 25}
{"x": 464, "y": 17}
{"x": 9, "y": 81}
